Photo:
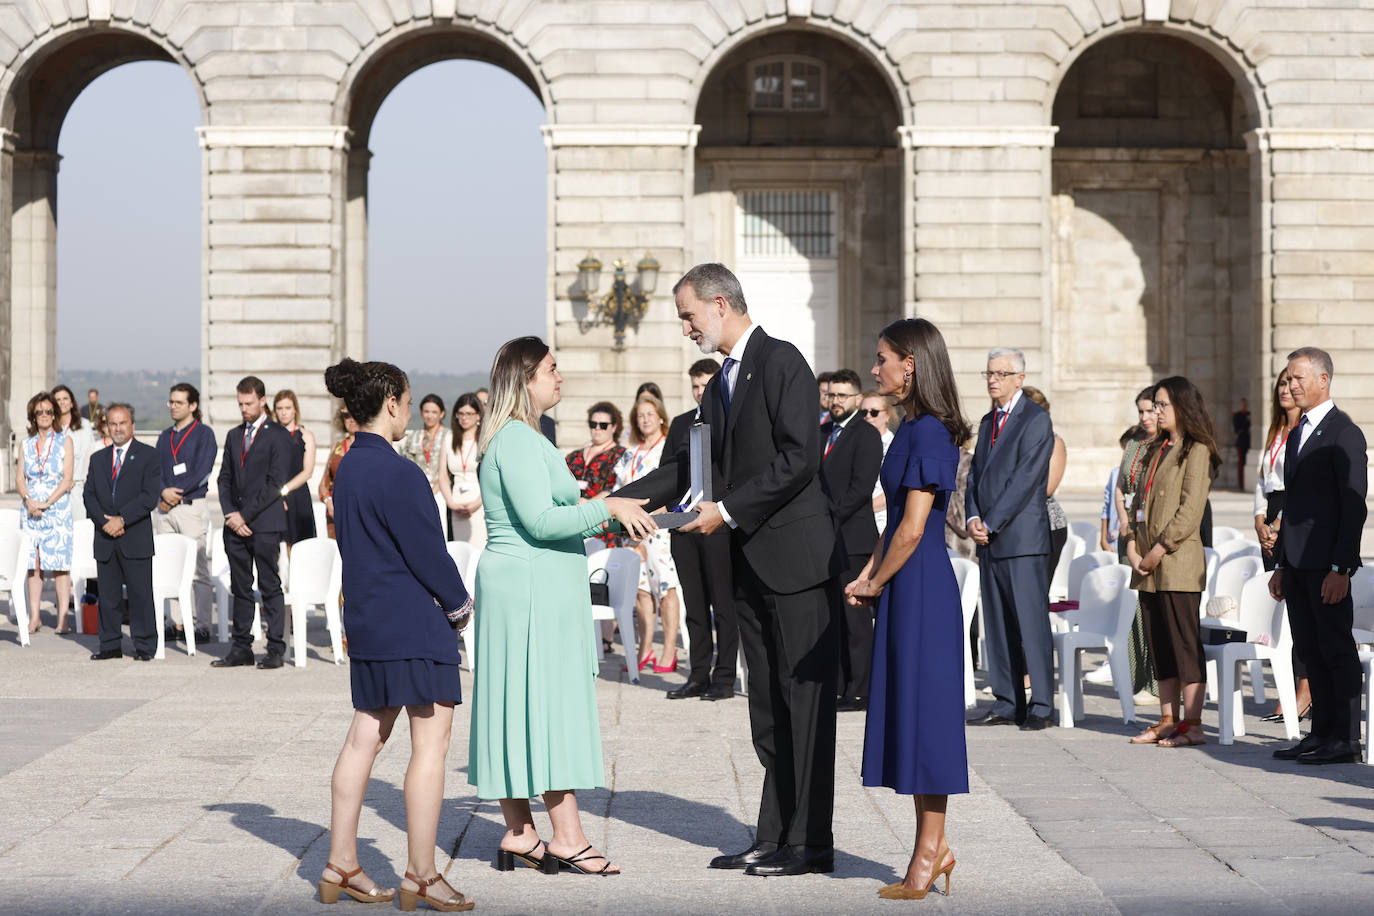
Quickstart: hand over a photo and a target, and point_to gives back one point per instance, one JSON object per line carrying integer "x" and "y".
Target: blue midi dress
{"x": 52, "y": 533}
{"x": 914, "y": 740}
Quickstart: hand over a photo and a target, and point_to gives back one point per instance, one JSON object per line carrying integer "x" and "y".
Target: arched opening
{"x": 798, "y": 184}
{"x": 125, "y": 289}
{"x": 1152, "y": 235}
{"x": 442, "y": 263}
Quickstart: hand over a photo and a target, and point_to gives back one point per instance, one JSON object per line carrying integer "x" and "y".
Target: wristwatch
{"x": 285, "y": 490}
{"x": 1343, "y": 570}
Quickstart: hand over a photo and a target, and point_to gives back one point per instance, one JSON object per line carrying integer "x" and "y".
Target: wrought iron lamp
{"x": 624, "y": 300}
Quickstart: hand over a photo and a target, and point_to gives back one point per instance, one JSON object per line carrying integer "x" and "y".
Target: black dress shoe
{"x": 1035, "y": 723}
{"x": 271, "y": 660}
{"x": 172, "y": 634}
{"x": 687, "y": 690}
{"x": 143, "y": 656}
{"x": 1333, "y": 752}
{"x": 1311, "y": 742}
{"x": 104, "y": 654}
{"x": 795, "y": 860}
{"x": 756, "y": 853}
{"x": 202, "y": 634}
{"x": 718, "y": 692}
{"x": 235, "y": 659}
{"x": 990, "y": 718}
{"x": 851, "y": 704}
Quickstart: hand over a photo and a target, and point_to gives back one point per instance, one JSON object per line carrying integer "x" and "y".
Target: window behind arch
{"x": 787, "y": 84}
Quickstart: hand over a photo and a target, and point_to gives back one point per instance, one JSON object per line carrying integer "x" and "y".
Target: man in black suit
{"x": 766, "y": 451}
{"x": 703, "y": 571}
{"x": 255, "y": 466}
{"x": 122, "y": 489}
{"x": 1005, "y": 507}
{"x": 1318, "y": 548}
{"x": 851, "y": 457}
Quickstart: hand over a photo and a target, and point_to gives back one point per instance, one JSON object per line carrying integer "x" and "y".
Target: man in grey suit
{"x": 1005, "y": 507}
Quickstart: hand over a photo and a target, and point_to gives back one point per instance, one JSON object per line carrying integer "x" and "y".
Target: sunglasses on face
{"x": 872, "y": 411}
{"x": 43, "y": 412}
{"x": 596, "y": 424}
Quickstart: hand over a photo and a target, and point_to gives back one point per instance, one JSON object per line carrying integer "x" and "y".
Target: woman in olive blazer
{"x": 1164, "y": 547}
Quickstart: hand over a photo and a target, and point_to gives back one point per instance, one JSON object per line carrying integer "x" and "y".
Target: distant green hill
{"x": 146, "y": 389}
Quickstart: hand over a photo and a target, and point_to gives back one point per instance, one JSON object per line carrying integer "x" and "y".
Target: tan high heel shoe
{"x": 455, "y": 904}
{"x": 329, "y": 890}
{"x": 899, "y": 891}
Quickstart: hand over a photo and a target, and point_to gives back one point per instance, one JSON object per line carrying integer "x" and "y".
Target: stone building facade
{"x": 1123, "y": 188}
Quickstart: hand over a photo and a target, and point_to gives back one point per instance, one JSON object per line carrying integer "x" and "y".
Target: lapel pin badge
{"x": 749, "y": 377}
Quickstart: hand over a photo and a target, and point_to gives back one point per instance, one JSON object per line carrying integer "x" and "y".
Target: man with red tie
{"x": 122, "y": 488}
{"x": 256, "y": 464}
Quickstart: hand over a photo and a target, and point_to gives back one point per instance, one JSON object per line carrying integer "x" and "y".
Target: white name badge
{"x": 179, "y": 468}
{"x": 1140, "y": 515}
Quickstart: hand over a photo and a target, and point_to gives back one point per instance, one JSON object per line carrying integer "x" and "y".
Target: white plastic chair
{"x": 1074, "y": 546}
{"x": 1367, "y": 662}
{"x": 1232, "y": 574}
{"x": 14, "y": 571}
{"x": 321, "y": 519}
{"x": 1078, "y": 569}
{"x": 966, "y": 573}
{"x": 1223, "y": 533}
{"x": 1362, "y": 589}
{"x": 174, "y": 570}
{"x": 314, "y": 580}
{"x": 224, "y": 599}
{"x": 1259, "y": 614}
{"x": 83, "y": 563}
{"x": 1106, "y": 609}
{"x": 1236, "y": 547}
{"x": 1090, "y": 532}
{"x": 9, "y": 519}
{"x": 622, "y": 580}
{"x": 1211, "y": 561}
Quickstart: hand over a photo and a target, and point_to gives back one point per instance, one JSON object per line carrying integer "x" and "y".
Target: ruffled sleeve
{"x": 932, "y": 461}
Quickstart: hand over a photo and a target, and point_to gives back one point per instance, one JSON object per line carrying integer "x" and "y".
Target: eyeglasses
{"x": 874, "y": 412}
{"x": 178, "y": 403}
{"x": 43, "y": 412}
{"x": 597, "y": 424}
{"x": 997, "y": 373}
{"x": 837, "y": 396}
{"x": 1160, "y": 405}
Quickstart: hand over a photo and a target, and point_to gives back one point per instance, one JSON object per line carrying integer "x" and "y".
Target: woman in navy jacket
{"x": 404, "y": 599}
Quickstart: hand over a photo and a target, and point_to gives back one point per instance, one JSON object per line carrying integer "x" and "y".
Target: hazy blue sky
{"x": 457, "y": 208}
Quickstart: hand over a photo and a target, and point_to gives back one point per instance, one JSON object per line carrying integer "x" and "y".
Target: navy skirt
{"x": 403, "y": 682}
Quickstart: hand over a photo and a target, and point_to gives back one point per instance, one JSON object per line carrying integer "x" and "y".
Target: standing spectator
{"x": 877, "y": 412}
{"x": 1113, "y": 521}
{"x": 1129, "y": 478}
{"x": 83, "y": 441}
{"x": 1269, "y": 494}
{"x": 1164, "y": 547}
{"x": 593, "y": 465}
{"x": 404, "y": 597}
{"x": 1005, "y": 505}
{"x": 186, "y": 455}
{"x": 256, "y": 465}
{"x": 121, "y": 492}
{"x": 91, "y": 411}
{"x": 344, "y": 423}
{"x": 1318, "y": 549}
{"x": 102, "y": 433}
{"x": 1059, "y": 459}
{"x": 44, "y": 481}
{"x": 458, "y": 482}
{"x": 703, "y": 570}
{"x": 956, "y": 531}
{"x": 643, "y": 389}
{"x": 300, "y": 513}
{"x": 482, "y": 395}
{"x": 658, "y": 574}
{"x": 851, "y": 457}
{"x": 534, "y": 720}
{"x": 1240, "y": 422}
{"x": 823, "y": 386}
{"x": 428, "y": 446}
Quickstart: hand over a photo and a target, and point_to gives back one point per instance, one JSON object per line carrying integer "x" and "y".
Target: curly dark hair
{"x": 364, "y": 387}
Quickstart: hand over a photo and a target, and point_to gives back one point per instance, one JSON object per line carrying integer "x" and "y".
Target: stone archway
{"x": 35, "y": 106}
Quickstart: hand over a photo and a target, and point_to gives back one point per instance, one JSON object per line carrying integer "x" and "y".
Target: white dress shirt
{"x": 728, "y": 378}
{"x": 1269, "y": 474}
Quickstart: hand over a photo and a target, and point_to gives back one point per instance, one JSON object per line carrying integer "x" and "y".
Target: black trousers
{"x": 791, "y": 645}
{"x": 136, "y": 575}
{"x": 1322, "y": 639}
{"x": 261, "y": 548}
{"x": 856, "y": 635}
{"x": 703, "y": 572}
{"x": 1017, "y": 634}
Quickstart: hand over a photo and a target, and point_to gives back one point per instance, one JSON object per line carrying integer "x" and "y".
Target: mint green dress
{"x": 534, "y": 722}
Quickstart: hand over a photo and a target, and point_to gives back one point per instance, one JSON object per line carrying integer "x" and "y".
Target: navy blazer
{"x": 133, "y": 498}
{"x": 398, "y": 578}
{"x": 1324, "y": 507}
{"x": 251, "y": 484}
{"x": 1007, "y": 482}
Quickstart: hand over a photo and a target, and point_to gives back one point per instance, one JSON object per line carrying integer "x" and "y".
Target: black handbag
{"x": 1220, "y": 636}
{"x": 600, "y": 587}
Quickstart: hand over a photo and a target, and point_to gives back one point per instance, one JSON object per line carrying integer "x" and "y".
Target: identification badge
{"x": 1140, "y": 515}
{"x": 179, "y": 468}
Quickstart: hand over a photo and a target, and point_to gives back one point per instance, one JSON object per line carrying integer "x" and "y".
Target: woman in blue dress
{"x": 914, "y": 741}
{"x": 44, "y": 481}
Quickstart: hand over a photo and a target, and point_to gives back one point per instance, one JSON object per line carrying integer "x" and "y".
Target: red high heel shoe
{"x": 668, "y": 670}
{"x": 648, "y": 660}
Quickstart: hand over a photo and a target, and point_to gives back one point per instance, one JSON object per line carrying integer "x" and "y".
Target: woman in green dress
{"x": 534, "y": 720}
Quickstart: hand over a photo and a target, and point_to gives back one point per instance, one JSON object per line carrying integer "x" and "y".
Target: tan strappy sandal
{"x": 1188, "y": 734}
{"x": 1161, "y": 729}
{"x": 329, "y": 890}
{"x": 455, "y": 904}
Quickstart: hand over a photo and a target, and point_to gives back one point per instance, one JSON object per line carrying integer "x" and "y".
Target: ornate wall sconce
{"x": 624, "y": 300}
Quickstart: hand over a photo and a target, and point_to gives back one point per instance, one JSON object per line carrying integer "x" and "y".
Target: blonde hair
{"x": 646, "y": 398}
{"x": 511, "y": 372}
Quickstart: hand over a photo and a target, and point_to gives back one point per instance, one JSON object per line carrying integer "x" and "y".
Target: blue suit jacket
{"x": 133, "y": 497}
{"x": 1007, "y": 482}
{"x": 1324, "y": 509}
{"x": 398, "y": 578}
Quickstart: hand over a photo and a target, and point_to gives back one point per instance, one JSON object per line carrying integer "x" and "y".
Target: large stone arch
{"x": 36, "y": 93}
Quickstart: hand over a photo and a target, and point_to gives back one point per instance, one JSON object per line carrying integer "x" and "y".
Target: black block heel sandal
{"x": 548, "y": 864}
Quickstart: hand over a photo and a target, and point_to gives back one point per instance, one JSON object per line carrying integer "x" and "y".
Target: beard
{"x": 706, "y": 345}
